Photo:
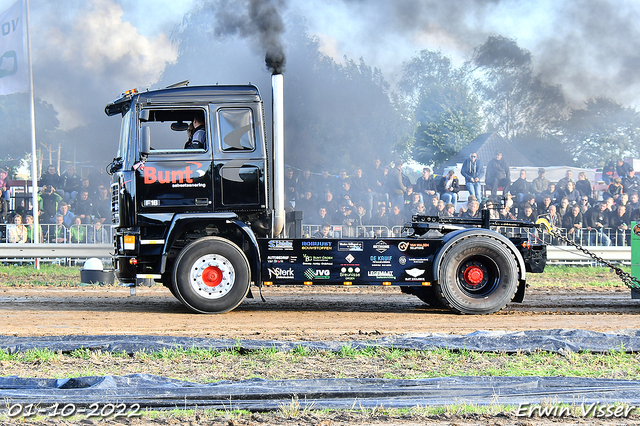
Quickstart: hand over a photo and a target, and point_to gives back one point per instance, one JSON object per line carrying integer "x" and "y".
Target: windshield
{"x": 124, "y": 146}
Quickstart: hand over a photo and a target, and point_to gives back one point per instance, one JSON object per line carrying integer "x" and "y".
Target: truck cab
{"x": 166, "y": 194}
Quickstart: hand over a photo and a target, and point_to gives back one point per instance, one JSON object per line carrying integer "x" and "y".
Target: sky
{"x": 86, "y": 52}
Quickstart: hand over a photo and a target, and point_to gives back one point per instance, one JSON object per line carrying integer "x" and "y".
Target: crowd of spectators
{"x": 382, "y": 196}
{"x": 72, "y": 209}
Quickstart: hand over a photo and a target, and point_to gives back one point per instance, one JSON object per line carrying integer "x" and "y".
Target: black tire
{"x": 477, "y": 275}
{"x": 211, "y": 276}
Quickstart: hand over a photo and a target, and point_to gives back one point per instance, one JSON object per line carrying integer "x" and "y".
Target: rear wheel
{"x": 477, "y": 276}
{"x": 211, "y": 275}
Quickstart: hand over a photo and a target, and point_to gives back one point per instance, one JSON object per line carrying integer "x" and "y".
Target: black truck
{"x": 209, "y": 222}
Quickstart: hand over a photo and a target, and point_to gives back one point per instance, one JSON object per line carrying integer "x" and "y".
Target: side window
{"x": 172, "y": 130}
{"x": 236, "y": 129}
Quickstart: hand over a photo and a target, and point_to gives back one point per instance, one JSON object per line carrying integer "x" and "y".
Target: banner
{"x": 13, "y": 66}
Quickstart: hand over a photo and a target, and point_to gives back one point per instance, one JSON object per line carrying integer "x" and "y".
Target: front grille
{"x": 115, "y": 206}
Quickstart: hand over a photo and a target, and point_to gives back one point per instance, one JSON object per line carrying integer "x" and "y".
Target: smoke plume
{"x": 258, "y": 20}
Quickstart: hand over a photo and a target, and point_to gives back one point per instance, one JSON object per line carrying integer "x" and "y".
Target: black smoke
{"x": 258, "y": 20}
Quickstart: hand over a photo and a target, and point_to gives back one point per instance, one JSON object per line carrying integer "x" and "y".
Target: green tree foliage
{"x": 602, "y": 130}
{"x": 516, "y": 101}
{"x": 15, "y": 122}
{"x": 447, "y": 112}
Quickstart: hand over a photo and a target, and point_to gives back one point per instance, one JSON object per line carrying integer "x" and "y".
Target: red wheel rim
{"x": 473, "y": 275}
{"x": 212, "y": 276}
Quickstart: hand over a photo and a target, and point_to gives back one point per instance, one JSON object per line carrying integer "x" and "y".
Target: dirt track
{"x": 299, "y": 313}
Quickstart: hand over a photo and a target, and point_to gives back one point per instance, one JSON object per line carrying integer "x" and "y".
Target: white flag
{"x": 13, "y": 67}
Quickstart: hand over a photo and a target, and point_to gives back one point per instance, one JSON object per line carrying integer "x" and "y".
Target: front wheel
{"x": 211, "y": 275}
{"x": 478, "y": 275}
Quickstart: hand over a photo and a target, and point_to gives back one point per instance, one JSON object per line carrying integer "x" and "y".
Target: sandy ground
{"x": 299, "y": 313}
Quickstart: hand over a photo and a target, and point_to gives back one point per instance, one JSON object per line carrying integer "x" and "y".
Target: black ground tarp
{"x": 153, "y": 392}
{"x": 557, "y": 341}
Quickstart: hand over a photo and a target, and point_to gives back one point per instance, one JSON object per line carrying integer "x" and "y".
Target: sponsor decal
{"x": 350, "y": 258}
{"x": 350, "y": 246}
{"x": 317, "y": 274}
{"x": 280, "y": 273}
{"x": 317, "y": 260}
{"x": 317, "y": 245}
{"x": 280, "y": 245}
{"x": 415, "y": 274}
{"x": 636, "y": 229}
{"x": 386, "y": 275}
{"x": 350, "y": 272}
{"x": 418, "y": 260}
{"x": 282, "y": 259}
{"x": 404, "y": 246}
{"x": 380, "y": 260}
{"x": 179, "y": 176}
{"x": 381, "y": 246}
{"x": 402, "y": 260}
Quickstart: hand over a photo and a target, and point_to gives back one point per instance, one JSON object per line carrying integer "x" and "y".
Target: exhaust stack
{"x": 277, "y": 87}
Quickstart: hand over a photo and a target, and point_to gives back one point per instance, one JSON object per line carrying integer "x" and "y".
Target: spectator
{"x": 323, "y": 232}
{"x": 98, "y": 235}
{"x": 554, "y": 219}
{"x": 360, "y": 186}
{"x": 426, "y": 185}
{"x": 614, "y": 190}
{"x": 473, "y": 171}
{"x": 321, "y": 217}
{"x": 395, "y": 184}
{"x": 596, "y": 220}
{"x": 325, "y": 182}
{"x": 544, "y": 207}
{"x": 449, "y": 210}
{"x": 84, "y": 207}
{"x": 608, "y": 171}
{"x": 29, "y": 220}
{"x": 520, "y": 187}
{"x": 345, "y": 193}
{"x": 530, "y": 200}
{"x": 415, "y": 200}
{"x": 306, "y": 182}
{"x": 622, "y": 168}
{"x": 306, "y": 204}
{"x": 71, "y": 184}
{"x": 59, "y": 232}
{"x": 363, "y": 215}
{"x": 329, "y": 203}
{"x": 3, "y": 185}
{"x": 449, "y": 188}
{"x": 583, "y": 185}
{"x": 78, "y": 231}
{"x": 562, "y": 183}
{"x": 572, "y": 222}
{"x": 620, "y": 219}
{"x": 17, "y": 233}
{"x": 539, "y": 185}
{"x": 497, "y": 174}
{"x": 66, "y": 214}
{"x": 552, "y": 193}
{"x": 564, "y": 207}
{"x": 631, "y": 183}
{"x": 4, "y": 207}
{"x": 505, "y": 213}
{"x": 103, "y": 205}
{"x": 571, "y": 193}
{"x": 526, "y": 214}
{"x": 441, "y": 207}
{"x": 397, "y": 218}
{"x": 584, "y": 204}
{"x": 52, "y": 178}
{"x": 432, "y": 208}
{"x": 380, "y": 218}
{"x": 420, "y": 210}
{"x": 634, "y": 201}
{"x": 48, "y": 201}
{"x": 473, "y": 211}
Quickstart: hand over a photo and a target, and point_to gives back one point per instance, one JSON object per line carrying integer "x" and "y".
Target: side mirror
{"x": 145, "y": 140}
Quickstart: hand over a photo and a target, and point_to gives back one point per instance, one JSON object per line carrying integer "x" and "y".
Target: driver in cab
{"x": 198, "y": 139}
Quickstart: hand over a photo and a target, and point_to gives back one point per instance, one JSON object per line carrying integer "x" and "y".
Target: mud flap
{"x": 519, "y": 296}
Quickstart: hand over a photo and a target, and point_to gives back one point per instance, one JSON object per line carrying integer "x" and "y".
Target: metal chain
{"x": 628, "y": 279}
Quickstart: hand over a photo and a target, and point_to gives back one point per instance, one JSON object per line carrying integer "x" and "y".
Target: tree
{"x": 602, "y": 130}
{"x": 516, "y": 101}
{"x": 446, "y": 110}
